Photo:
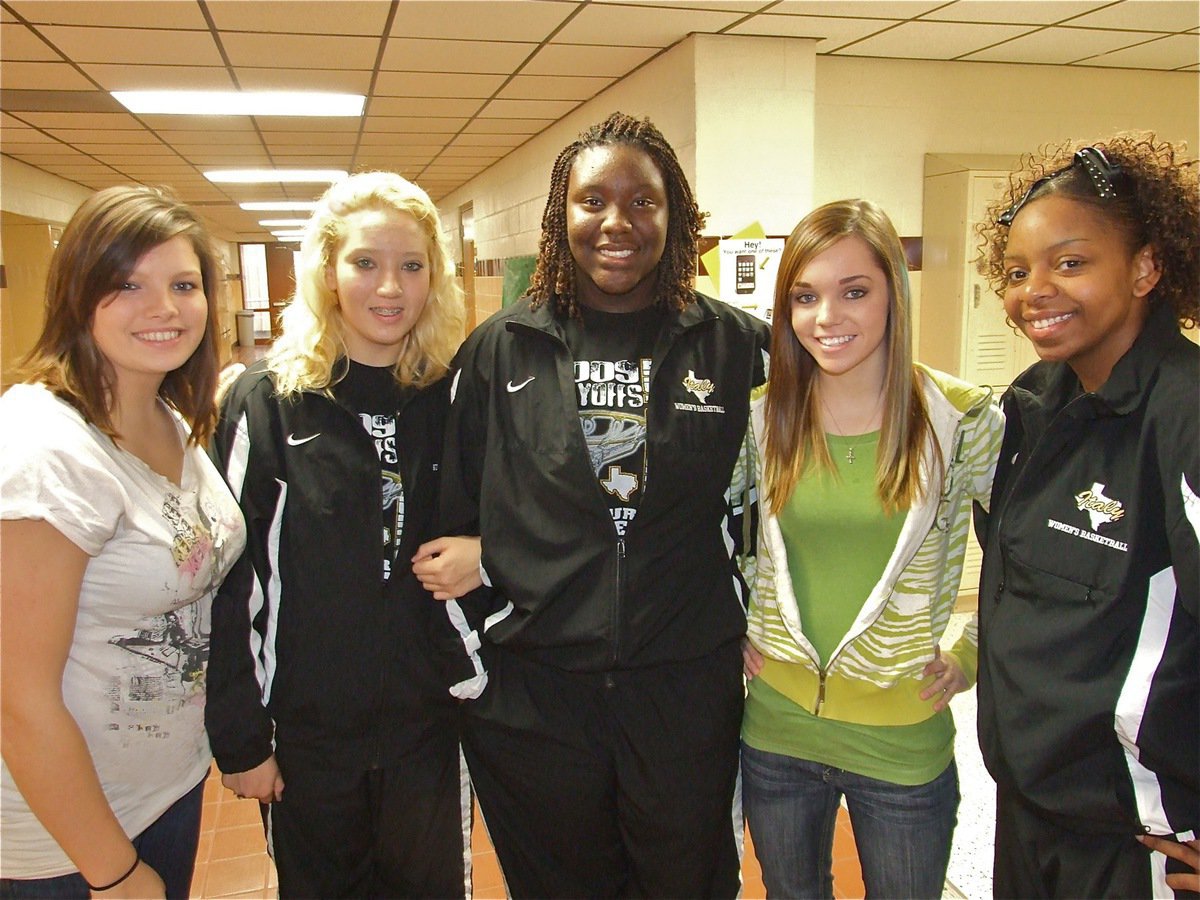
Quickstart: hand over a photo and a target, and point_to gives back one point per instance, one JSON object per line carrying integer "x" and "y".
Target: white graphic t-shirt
{"x": 134, "y": 677}
{"x": 612, "y": 353}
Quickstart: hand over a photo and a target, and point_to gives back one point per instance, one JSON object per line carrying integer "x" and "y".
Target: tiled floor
{"x": 232, "y": 860}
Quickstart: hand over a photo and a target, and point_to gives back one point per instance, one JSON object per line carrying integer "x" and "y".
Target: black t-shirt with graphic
{"x": 612, "y": 353}
{"x": 372, "y": 392}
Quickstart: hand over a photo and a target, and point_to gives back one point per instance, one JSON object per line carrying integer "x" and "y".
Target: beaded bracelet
{"x": 137, "y": 859}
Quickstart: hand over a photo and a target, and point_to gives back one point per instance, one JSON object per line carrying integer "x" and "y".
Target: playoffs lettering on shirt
{"x": 382, "y": 429}
{"x": 612, "y": 402}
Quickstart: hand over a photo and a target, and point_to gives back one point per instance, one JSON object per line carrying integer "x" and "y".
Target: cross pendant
{"x": 850, "y": 455}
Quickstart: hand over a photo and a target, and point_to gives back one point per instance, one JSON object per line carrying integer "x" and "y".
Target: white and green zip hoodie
{"x": 872, "y": 675}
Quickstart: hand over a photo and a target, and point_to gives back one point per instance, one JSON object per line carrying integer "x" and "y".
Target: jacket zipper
{"x": 618, "y": 602}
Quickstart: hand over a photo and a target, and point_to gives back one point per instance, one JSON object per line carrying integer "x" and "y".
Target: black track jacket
{"x": 1089, "y": 663}
{"x": 309, "y": 644}
{"x": 568, "y": 591}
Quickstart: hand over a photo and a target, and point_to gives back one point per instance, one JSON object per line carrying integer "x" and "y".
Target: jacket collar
{"x": 545, "y": 319}
{"x": 1051, "y": 386}
{"x": 1134, "y": 372}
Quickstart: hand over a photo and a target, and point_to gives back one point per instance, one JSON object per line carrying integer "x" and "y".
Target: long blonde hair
{"x": 795, "y": 432}
{"x": 312, "y": 341}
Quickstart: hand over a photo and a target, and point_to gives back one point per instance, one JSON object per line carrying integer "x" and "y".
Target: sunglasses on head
{"x": 1099, "y": 170}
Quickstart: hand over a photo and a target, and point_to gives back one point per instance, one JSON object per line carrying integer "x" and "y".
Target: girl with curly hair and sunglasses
{"x": 1089, "y": 689}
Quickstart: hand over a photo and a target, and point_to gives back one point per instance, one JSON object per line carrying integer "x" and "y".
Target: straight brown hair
{"x": 100, "y": 247}
{"x": 795, "y": 430}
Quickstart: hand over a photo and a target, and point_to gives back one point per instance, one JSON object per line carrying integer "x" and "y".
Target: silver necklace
{"x": 850, "y": 457}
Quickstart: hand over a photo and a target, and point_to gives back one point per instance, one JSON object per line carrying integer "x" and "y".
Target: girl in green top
{"x": 869, "y": 466}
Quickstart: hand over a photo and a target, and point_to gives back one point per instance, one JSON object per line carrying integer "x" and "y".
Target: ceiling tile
{"x": 473, "y": 155}
{"x": 415, "y": 147}
{"x": 528, "y": 109}
{"x": 44, "y": 76}
{"x": 1057, "y": 45}
{"x": 645, "y": 26}
{"x": 120, "y": 13}
{"x": 330, "y": 124}
{"x": 489, "y": 140}
{"x": 1016, "y": 12}
{"x": 495, "y": 20}
{"x": 1144, "y": 15}
{"x": 587, "y": 59}
{"x": 301, "y": 51}
{"x": 82, "y": 137}
{"x": 34, "y": 144}
{"x": 558, "y": 87}
{"x": 403, "y": 124}
{"x": 120, "y": 77}
{"x": 742, "y": 6}
{"x": 304, "y": 79}
{"x": 425, "y": 84}
{"x": 829, "y": 32}
{"x": 415, "y": 140}
{"x": 177, "y": 125}
{"x": 94, "y": 120}
{"x": 1177, "y": 51}
{"x": 317, "y": 140}
{"x": 484, "y": 125}
{"x": 79, "y": 170}
{"x": 134, "y": 46}
{"x": 931, "y": 40}
{"x": 449, "y": 167}
{"x": 311, "y": 160}
{"x": 413, "y": 55}
{"x": 21, "y": 43}
{"x": 421, "y": 106}
{"x": 361, "y": 17}
{"x": 207, "y": 158}
{"x": 107, "y": 152}
{"x": 879, "y": 9}
{"x": 180, "y": 172}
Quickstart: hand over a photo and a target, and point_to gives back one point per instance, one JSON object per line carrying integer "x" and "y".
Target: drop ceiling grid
{"x": 454, "y": 86}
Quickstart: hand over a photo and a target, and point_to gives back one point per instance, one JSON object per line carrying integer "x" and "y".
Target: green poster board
{"x": 517, "y": 272}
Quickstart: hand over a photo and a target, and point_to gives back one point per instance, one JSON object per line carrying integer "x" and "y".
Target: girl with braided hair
{"x": 1089, "y": 690}
{"x": 597, "y": 437}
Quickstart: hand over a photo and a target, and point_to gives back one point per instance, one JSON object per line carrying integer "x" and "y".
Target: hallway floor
{"x": 232, "y": 860}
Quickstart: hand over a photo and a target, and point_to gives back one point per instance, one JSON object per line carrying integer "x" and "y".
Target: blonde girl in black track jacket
{"x": 325, "y": 702}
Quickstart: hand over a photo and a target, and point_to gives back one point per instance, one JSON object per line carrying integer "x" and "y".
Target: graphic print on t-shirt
{"x": 612, "y": 412}
{"x": 382, "y": 429}
{"x": 174, "y": 642}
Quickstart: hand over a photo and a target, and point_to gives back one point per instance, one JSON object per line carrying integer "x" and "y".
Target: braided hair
{"x": 554, "y": 277}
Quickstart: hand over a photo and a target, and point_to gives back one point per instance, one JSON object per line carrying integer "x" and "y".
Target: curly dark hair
{"x": 1162, "y": 208}
{"x": 554, "y": 277}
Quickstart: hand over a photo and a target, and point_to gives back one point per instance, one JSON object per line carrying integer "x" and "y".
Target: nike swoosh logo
{"x": 294, "y": 441}
{"x": 513, "y": 388}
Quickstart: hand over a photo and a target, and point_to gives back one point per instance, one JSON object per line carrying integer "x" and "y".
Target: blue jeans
{"x": 168, "y": 846}
{"x": 903, "y": 832}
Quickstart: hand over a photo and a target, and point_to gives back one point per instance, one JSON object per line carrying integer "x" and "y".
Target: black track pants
{"x": 403, "y": 831}
{"x": 611, "y": 784}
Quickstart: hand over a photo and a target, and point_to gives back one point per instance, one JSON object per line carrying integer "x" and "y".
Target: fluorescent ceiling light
{"x": 241, "y": 103}
{"x": 295, "y": 235}
{"x": 279, "y": 223}
{"x": 279, "y": 205}
{"x": 260, "y": 176}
